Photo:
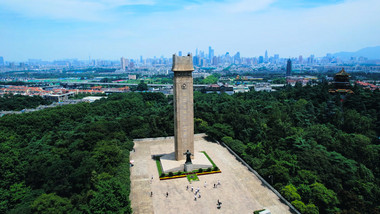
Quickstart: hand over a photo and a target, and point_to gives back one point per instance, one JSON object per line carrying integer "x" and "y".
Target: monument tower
{"x": 183, "y": 105}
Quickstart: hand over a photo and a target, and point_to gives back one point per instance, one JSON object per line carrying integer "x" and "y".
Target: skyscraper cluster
{"x": 203, "y": 59}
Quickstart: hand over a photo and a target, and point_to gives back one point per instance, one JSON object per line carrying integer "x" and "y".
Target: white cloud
{"x": 350, "y": 25}
{"x": 116, "y": 3}
{"x": 245, "y": 26}
{"x": 81, "y": 10}
{"x": 248, "y": 6}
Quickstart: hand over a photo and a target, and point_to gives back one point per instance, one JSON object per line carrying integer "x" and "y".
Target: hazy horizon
{"x": 109, "y": 29}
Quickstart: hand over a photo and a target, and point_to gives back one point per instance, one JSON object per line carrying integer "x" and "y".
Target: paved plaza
{"x": 240, "y": 191}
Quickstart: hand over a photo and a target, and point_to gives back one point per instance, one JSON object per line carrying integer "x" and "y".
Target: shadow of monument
{"x": 168, "y": 156}
{"x": 209, "y": 139}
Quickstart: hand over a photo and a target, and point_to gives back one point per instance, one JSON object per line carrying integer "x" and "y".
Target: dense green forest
{"x": 75, "y": 158}
{"x": 319, "y": 150}
{"x": 10, "y": 102}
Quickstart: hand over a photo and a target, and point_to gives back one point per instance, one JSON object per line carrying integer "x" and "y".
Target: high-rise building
{"x": 215, "y": 61}
{"x": 179, "y": 53}
{"x": 123, "y": 63}
{"x": 310, "y": 60}
{"x": 261, "y": 59}
{"x": 196, "y": 60}
{"x": 131, "y": 65}
{"x": 300, "y": 59}
{"x": 266, "y": 56}
{"x": 196, "y": 52}
{"x": 227, "y": 58}
{"x": 237, "y": 58}
{"x": 203, "y": 62}
{"x": 276, "y": 58}
{"x": 1, "y": 61}
{"x": 201, "y": 54}
{"x": 289, "y": 68}
{"x": 254, "y": 61}
{"x": 210, "y": 53}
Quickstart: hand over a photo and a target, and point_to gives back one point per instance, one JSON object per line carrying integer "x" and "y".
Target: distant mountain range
{"x": 370, "y": 53}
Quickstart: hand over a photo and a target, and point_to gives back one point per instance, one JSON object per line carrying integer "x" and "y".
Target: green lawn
{"x": 159, "y": 168}
{"x": 195, "y": 177}
{"x": 208, "y": 157}
{"x": 192, "y": 177}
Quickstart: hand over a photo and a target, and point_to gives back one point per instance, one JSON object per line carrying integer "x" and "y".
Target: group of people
{"x": 151, "y": 193}
{"x": 197, "y": 191}
{"x": 217, "y": 184}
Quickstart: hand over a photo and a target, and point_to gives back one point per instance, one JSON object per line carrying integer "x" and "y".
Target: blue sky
{"x": 109, "y": 29}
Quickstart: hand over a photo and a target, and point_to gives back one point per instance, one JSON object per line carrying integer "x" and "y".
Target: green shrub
{"x": 162, "y": 175}
{"x": 171, "y": 174}
{"x": 200, "y": 170}
{"x": 215, "y": 168}
{"x": 290, "y": 193}
{"x": 179, "y": 173}
{"x": 208, "y": 169}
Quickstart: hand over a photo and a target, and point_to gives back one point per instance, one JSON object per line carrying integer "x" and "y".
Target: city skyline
{"x": 109, "y": 29}
{"x": 369, "y": 53}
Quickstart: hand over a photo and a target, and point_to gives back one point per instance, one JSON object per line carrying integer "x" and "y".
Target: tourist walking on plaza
{"x": 219, "y": 204}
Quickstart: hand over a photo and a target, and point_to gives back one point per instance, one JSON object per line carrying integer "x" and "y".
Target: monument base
{"x": 188, "y": 167}
{"x": 170, "y": 164}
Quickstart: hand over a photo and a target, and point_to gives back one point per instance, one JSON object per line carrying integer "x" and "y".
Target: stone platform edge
{"x": 166, "y": 138}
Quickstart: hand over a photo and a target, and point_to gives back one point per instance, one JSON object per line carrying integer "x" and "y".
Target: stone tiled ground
{"x": 240, "y": 190}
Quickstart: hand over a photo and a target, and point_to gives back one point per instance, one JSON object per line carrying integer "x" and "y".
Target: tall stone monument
{"x": 183, "y": 105}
